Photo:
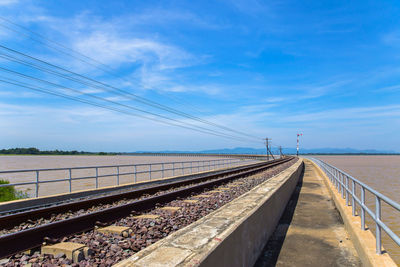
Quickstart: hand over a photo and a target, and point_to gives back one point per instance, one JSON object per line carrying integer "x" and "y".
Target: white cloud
{"x": 112, "y": 49}
{"x": 393, "y": 88}
{"x": 8, "y": 2}
{"x": 392, "y": 38}
{"x": 275, "y": 99}
{"x": 18, "y": 94}
{"x": 358, "y": 113}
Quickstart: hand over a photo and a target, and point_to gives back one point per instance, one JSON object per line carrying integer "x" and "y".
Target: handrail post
{"x": 97, "y": 177}
{"x": 149, "y": 172}
{"x": 117, "y": 175}
{"x": 183, "y": 169}
{"x": 336, "y": 179}
{"x": 347, "y": 191}
{"x": 353, "y": 193}
{"x": 173, "y": 169}
{"x": 191, "y": 167}
{"x": 362, "y": 208}
{"x": 342, "y": 184}
{"x": 378, "y": 227}
{"x": 37, "y": 183}
{"x": 135, "y": 171}
{"x": 162, "y": 166}
{"x": 70, "y": 180}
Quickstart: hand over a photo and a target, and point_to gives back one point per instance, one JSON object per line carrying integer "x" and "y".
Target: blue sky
{"x": 328, "y": 69}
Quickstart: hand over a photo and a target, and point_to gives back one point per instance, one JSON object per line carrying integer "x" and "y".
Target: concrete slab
{"x": 191, "y": 201}
{"x": 165, "y": 256}
{"x": 310, "y": 232}
{"x": 170, "y": 209}
{"x": 73, "y": 251}
{"x": 202, "y": 196}
{"x": 115, "y": 230}
{"x": 215, "y": 191}
{"x": 147, "y": 216}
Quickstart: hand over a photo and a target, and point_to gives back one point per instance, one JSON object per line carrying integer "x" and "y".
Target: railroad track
{"x": 144, "y": 200}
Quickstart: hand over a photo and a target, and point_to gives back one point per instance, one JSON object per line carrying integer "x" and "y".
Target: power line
{"x": 46, "y": 91}
{"x": 109, "y": 69}
{"x": 138, "y": 98}
{"x": 102, "y": 85}
{"x": 204, "y": 130}
{"x": 88, "y": 94}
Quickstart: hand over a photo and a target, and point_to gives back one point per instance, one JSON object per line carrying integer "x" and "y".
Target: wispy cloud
{"x": 392, "y": 38}
{"x": 359, "y": 113}
{"x": 393, "y": 88}
{"x": 115, "y": 50}
{"x": 8, "y": 2}
{"x": 251, "y": 7}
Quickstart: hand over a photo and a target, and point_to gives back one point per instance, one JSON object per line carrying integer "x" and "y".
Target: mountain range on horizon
{"x": 248, "y": 150}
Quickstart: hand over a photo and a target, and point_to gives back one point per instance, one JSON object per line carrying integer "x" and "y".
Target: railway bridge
{"x": 242, "y": 212}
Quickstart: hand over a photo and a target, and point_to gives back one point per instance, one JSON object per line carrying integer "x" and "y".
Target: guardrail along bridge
{"x": 236, "y": 211}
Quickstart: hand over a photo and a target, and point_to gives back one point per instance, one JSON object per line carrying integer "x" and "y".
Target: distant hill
{"x": 248, "y": 150}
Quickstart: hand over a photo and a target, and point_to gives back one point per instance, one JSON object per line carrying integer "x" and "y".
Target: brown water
{"x": 39, "y": 162}
{"x": 382, "y": 173}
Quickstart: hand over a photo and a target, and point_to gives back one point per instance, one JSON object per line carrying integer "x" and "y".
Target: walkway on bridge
{"x": 310, "y": 232}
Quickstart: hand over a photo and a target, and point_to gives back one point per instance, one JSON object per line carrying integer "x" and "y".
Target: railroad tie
{"x": 73, "y": 251}
{"x": 115, "y": 230}
{"x": 170, "y": 209}
{"x": 202, "y": 196}
{"x": 191, "y": 201}
{"x": 147, "y": 216}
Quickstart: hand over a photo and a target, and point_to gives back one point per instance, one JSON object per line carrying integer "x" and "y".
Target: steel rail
{"x": 11, "y": 220}
{"x": 33, "y": 237}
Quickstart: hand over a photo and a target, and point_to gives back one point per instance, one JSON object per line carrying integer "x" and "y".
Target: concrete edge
{"x": 51, "y": 199}
{"x": 240, "y": 228}
{"x": 364, "y": 241}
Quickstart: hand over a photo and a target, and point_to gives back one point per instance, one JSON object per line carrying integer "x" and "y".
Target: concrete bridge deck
{"x": 292, "y": 219}
{"x": 311, "y": 231}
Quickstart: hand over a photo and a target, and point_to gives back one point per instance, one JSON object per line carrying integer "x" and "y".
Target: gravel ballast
{"x": 108, "y": 249}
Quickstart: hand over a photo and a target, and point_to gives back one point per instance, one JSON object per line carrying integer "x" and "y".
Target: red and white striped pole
{"x": 299, "y": 134}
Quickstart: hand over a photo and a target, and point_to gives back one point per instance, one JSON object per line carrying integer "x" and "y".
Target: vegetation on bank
{"x": 35, "y": 151}
{"x": 349, "y": 154}
{"x": 9, "y": 193}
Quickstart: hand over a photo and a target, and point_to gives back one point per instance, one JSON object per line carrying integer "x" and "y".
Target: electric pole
{"x": 299, "y": 134}
{"x": 268, "y": 148}
{"x": 267, "y": 145}
{"x": 280, "y": 151}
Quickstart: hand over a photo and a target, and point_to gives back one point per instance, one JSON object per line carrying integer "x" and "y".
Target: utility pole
{"x": 280, "y": 151}
{"x": 267, "y": 144}
{"x": 299, "y": 134}
{"x": 268, "y": 148}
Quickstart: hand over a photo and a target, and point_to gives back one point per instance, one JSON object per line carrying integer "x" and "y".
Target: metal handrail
{"x": 340, "y": 180}
{"x": 194, "y": 166}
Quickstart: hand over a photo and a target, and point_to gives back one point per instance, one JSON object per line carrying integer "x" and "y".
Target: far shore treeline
{"x": 35, "y": 151}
